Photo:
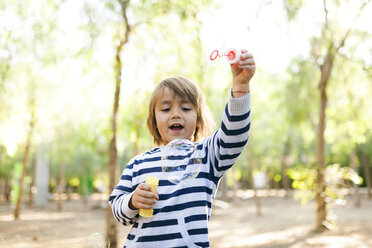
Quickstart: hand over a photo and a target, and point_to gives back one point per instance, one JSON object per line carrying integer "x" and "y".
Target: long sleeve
{"x": 229, "y": 141}
{"x": 121, "y": 195}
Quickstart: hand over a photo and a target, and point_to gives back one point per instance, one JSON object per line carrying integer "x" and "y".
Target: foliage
{"x": 304, "y": 179}
{"x": 337, "y": 181}
{"x": 292, "y": 8}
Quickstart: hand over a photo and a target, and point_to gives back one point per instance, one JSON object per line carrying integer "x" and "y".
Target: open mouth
{"x": 176, "y": 127}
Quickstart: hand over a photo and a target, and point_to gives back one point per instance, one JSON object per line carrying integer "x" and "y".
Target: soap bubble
{"x": 98, "y": 240}
{"x": 179, "y": 161}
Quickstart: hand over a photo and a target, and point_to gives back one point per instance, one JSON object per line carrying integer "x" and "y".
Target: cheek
{"x": 159, "y": 121}
{"x": 156, "y": 121}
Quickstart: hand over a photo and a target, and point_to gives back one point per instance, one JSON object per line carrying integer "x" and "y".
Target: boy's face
{"x": 175, "y": 117}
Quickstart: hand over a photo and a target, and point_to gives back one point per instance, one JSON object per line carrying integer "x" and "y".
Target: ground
{"x": 284, "y": 223}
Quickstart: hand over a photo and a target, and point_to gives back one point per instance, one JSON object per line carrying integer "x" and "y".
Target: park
{"x": 291, "y": 166}
{"x": 284, "y": 222}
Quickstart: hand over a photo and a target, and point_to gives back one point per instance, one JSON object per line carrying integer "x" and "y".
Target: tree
{"x": 26, "y": 154}
{"x": 111, "y": 230}
{"x": 326, "y": 47}
{"x": 325, "y": 68}
{"x": 364, "y": 154}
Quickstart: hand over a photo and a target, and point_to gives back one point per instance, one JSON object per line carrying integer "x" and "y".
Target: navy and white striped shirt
{"x": 182, "y": 212}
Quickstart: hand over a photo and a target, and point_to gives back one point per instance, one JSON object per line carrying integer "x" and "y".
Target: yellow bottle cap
{"x": 148, "y": 213}
{"x": 152, "y": 180}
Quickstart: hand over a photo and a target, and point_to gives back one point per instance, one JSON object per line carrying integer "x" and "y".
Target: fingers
{"x": 246, "y": 58}
{"x": 144, "y": 186}
{"x": 246, "y": 54}
{"x": 247, "y": 61}
{"x": 147, "y": 195}
{"x": 146, "y": 200}
{"x": 244, "y": 69}
{"x": 145, "y": 191}
{"x": 143, "y": 202}
{"x": 143, "y": 197}
{"x": 139, "y": 205}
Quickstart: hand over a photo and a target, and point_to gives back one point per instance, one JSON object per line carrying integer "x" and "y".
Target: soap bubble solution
{"x": 179, "y": 162}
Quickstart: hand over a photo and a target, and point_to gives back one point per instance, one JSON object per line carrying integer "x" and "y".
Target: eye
{"x": 165, "y": 109}
{"x": 186, "y": 109}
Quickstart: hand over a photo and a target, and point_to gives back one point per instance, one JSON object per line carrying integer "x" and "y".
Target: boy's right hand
{"x": 143, "y": 197}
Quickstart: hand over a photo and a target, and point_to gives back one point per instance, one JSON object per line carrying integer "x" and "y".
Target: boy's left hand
{"x": 243, "y": 71}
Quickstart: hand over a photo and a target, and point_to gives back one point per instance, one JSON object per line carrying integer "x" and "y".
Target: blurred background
{"x": 75, "y": 82}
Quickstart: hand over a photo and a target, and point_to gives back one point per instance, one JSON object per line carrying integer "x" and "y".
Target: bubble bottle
{"x": 153, "y": 183}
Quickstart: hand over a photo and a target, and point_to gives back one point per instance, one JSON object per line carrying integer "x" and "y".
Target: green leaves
{"x": 292, "y": 7}
{"x": 337, "y": 180}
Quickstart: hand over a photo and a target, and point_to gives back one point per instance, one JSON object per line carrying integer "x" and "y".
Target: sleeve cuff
{"x": 239, "y": 105}
{"x": 130, "y": 213}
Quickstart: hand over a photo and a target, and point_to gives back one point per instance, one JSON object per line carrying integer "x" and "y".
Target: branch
{"x": 128, "y": 27}
{"x": 325, "y": 27}
{"x": 326, "y": 23}
{"x": 342, "y": 43}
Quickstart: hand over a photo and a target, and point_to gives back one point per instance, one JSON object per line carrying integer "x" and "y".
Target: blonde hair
{"x": 185, "y": 89}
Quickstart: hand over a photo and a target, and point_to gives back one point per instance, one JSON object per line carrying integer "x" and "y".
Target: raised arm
{"x": 225, "y": 146}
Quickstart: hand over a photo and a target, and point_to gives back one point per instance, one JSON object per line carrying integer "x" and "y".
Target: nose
{"x": 176, "y": 113}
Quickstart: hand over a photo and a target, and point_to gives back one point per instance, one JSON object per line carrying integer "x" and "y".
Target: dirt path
{"x": 284, "y": 223}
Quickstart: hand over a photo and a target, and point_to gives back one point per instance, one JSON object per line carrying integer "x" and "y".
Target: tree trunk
{"x": 61, "y": 186}
{"x": 255, "y": 196}
{"x": 285, "y": 164}
{"x": 111, "y": 231}
{"x": 25, "y": 161}
{"x": 2, "y": 188}
{"x": 325, "y": 73}
{"x": 7, "y": 190}
{"x": 367, "y": 174}
{"x": 32, "y": 183}
{"x": 354, "y": 166}
{"x": 285, "y": 179}
{"x": 84, "y": 181}
{"x": 111, "y": 225}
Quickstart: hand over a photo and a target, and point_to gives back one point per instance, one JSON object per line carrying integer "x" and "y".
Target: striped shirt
{"x": 183, "y": 210}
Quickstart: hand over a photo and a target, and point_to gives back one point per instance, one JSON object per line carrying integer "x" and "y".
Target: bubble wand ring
{"x": 232, "y": 55}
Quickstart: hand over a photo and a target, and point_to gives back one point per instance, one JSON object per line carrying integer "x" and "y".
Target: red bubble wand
{"x": 232, "y": 55}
